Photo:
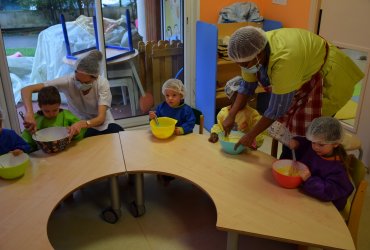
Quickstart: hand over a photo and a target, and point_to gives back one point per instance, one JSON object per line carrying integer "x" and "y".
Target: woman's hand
{"x": 75, "y": 129}
{"x": 247, "y": 140}
{"x": 152, "y": 115}
{"x": 29, "y": 122}
{"x": 228, "y": 124}
{"x": 17, "y": 152}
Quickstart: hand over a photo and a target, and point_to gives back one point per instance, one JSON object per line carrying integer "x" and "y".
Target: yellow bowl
{"x": 165, "y": 128}
{"x": 13, "y": 166}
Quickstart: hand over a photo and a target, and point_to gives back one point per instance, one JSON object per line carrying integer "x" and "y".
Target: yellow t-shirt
{"x": 245, "y": 120}
{"x": 297, "y": 54}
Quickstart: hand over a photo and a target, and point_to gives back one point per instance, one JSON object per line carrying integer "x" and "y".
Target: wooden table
{"x": 247, "y": 199}
{"x": 26, "y": 203}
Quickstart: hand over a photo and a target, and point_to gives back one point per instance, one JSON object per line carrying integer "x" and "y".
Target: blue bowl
{"x": 228, "y": 143}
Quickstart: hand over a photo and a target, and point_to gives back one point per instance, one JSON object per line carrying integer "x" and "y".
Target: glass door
{"x": 36, "y": 50}
{"x": 8, "y": 109}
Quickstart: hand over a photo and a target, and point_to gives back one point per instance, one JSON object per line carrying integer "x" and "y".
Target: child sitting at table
{"x": 245, "y": 119}
{"x": 10, "y": 141}
{"x": 174, "y": 107}
{"x": 326, "y": 176}
{"x": 51, "y": 115}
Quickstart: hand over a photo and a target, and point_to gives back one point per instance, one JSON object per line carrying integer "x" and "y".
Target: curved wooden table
{"x": 26, "y": 203}
{"x": 242, "y": 188}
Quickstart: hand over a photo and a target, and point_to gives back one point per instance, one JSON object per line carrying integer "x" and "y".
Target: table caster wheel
{"x": 136, "y": 210}
{"x": 109, "y": 215}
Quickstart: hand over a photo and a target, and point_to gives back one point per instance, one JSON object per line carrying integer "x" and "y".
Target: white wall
{"x": 346, "y": 22}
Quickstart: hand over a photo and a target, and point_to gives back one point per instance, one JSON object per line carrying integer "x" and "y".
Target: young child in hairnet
{"x": 10, "y": 141}
{"x": 50, "y": 115}
{"x": 174, "y": 107}
{"x": 245, "y": 119}
{"x": 326, "y": 176}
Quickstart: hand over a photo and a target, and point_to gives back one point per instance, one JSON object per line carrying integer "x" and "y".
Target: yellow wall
{"x": 294, "y": 14}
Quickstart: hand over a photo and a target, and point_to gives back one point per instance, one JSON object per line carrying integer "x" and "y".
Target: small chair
{"x": 351, "y": 142}
{"x": 124, "y": 78}
{"x": 199, "y": 119}
{"x": 353, "y": 210}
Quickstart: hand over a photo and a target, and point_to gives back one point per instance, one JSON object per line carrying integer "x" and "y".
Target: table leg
{"x": 137, "y": 207}
{"x": 112, "y": 213}
{"x": 114, "y": 192}
{"x": 232, "y": 241}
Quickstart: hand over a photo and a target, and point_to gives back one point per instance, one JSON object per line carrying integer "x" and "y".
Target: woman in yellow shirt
{"x": 306, "y": 76}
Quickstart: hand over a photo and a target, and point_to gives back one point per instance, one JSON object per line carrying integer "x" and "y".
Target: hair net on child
{"x": 89, "y": 64}
{"x": 246, "y": 43}
{"x": 326, "y": 130}
{"x": 175, "y": 85}
{"x": 232, "y": 86}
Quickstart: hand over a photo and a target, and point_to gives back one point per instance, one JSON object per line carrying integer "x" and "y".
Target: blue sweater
{"x": 9, "y": 141}
{"x": 183, "y": 114}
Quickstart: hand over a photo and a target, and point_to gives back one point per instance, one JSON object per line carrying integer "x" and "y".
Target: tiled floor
{"x": 179, "y": 216}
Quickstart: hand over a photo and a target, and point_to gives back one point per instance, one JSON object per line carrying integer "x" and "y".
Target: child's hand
{"x": 179, "y": 131}
{"x": 29, "y": 122}
{"x": 213, "y": 138}
{"x": 293, "y": 144}
{"x": 304, "y": 172}
{"x": 152, "y": 115}
{"x": 17, "y": 152}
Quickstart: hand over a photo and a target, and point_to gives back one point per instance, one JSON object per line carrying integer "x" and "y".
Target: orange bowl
{"x": 280, "y": 171}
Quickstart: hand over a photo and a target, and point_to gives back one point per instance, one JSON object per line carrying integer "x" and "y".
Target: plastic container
{"x": 12, "y": 167}
{"x": 281, "y": 171}
{"x": 164, "y": 129}
{"x": 228, "y": 143}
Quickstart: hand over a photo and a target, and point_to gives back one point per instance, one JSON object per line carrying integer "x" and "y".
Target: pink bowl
{"x": 280, "y": 170}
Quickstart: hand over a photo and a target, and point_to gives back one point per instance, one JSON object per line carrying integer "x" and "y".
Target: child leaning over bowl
{"x": 10, "y": 141}
{"x": 245, "y": 119}
{"x": 51, "y": 115}
{"x": 174, "y": 107}
{"x": 327, "y": 175}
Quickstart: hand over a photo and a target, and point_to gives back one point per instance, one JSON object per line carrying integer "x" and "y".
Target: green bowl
{"x": 12, "y": 167}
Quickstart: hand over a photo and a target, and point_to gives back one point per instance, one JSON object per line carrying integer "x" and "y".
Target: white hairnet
{"x": 232, "y": 86}
{"x": 90, "y": 63}
{"x": 175, "y": 85}
{"x": 246, "y": 43}
{"x": 326, "y": 130}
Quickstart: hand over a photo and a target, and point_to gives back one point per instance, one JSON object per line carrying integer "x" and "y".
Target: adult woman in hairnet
{"x": 306, "y": 76}
{"x": 88, "y": 96}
